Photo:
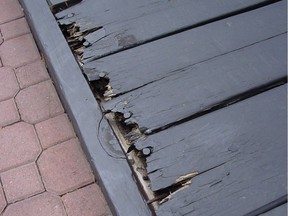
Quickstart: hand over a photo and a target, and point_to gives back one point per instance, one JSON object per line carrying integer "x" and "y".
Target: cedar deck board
{"x": 101, "y": 146}
{"x": 202, "y": 86}
{"x": 141, "y": 65}
{"x": 243, "y": 147}
{"x": 126, "y": 23}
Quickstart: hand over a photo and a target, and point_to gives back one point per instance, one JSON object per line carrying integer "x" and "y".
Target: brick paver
{"x": 14, "y": 28}
{"x": 87, "y": 201}
{"x": 2, "y": 200}
{"x": 21, "y": 182}
{"x": 42, "y": 165}
{"x": 41, "y": 205}
{"x": 19, "y": 51}
{"x": 54, "y": 131}
{"x": 39, "y": 102}
{"x": 31, "y": 74}
{"x": 19, "y": 145}
{"x": 8, "y": 113}
{"x": 10, "y": 10}
{"x": 1, "y": 41}
{"x": 8, "y": 83}
{"x": 64, "y": 168}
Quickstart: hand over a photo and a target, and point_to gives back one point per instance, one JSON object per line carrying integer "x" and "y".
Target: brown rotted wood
{"x": 203, "y": 86}
{"x": 239, "y": 152}
{"x": 141, "y": 65}
{"x": 128, "y": 23}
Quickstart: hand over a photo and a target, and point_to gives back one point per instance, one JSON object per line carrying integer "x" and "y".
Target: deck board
{"x": 278, "y": 211}
{"x": 141, "y": 65}
{"x": 227, "y": 134}
{"x": 239, "y": 152}
{"x": 126, "y": 23}
{"x": 200, "y": 87}
{"x": 208, "y": 79}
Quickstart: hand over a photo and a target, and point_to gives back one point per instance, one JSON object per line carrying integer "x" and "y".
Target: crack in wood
{"x": 55, "y": 8}
{"x": 129, "y": 41}
{"x": 135, "y": 157}
{"x": 225, "y": 103}
{"x": 77, "y": 39}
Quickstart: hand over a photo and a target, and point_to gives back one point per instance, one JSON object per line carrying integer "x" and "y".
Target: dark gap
{"x": 62, "y": 6}
{"x": 274, "y": 204}
{"x": 128, "y": 131}
{"x": 162, "y": 195}
{"x": 225, "y": 103}
{"x": 76, "y": 38}
{"x": 165, "y": 192}
{"x": 99, "y": 87}
{"x": 219, "y": 165}
{"x": 224, "y": 16}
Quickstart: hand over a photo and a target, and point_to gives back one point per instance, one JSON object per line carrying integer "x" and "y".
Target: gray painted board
{"x": 127, "y": 23}
{"x": 239, "y": 151}
{"x": 141, "y": 65}
{"x": 251, "y": 130}
{"x": 202, "y": 86}
{"x": 278, "y": 211}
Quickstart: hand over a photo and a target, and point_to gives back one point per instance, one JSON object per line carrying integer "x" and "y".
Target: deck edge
{"x": 115, "y": 176}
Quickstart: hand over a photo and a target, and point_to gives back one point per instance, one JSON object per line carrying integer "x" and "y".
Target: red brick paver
{"x": 1, "y": 41}
{"x": 39, "y": 102}
{"x": 21, "y": 182}
{"x": 43, "y": 170}
{"x": 19, "y": 145}
{"x": 55, "y": 130}
{"x": 31, "y": 74}
{"x": 14, "y": 28}
{"x": 41, "y": 205}
{"x": 19, "y": 51}
{"x": 64, "y": 168}
{"x": 8, "y": 113}
{"x": 10, "y": 10}
{"x": 84, "y": 202}
{"x": 2, "y": 200}
{"x": 8, "y": 83}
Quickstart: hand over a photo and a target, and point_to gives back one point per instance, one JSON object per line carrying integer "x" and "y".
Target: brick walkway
{"x": 43, "y": 170}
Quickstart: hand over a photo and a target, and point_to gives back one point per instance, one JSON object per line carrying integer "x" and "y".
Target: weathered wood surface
{"x": 56, "y": 2}
{"x": 211, "y": 54}
{"x": 127, "y": 23}
{"x": 218, "y": 137}
{"x": 202, "y": 86}
{"x": 279, "y": 211}
{"x": 239, "y": 151}
{"x": 141, "y": 65}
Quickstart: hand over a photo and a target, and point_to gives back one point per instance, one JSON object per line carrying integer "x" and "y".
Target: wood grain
{"x": 200, "y": 87}
{"x": 239, "y": 151}
{"x": 141, "y": 65}
{"x": 127, "y": 23}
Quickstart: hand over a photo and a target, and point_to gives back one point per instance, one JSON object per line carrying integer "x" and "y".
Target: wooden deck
{"x": 198, "y": 94}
